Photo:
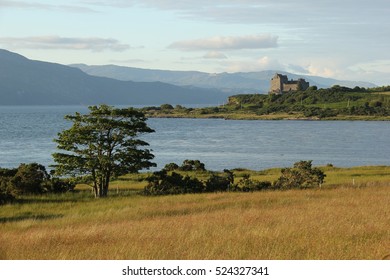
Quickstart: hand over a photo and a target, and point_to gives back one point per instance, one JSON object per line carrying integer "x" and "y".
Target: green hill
{"x": 336, "y": 102}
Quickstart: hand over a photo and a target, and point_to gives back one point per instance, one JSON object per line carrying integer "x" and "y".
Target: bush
{"x": 192, "y": 165}
{"x": 161, "y": 183}
{"x": 248, "y": 185}
{"x": 166, "y": 107}
{"x": 220, "y": 183}
{"x": 5, "y": 172}
{"x": 7, "y": 191}
{"x": 57, "y": 185}
{"x": 301, "y": 176}
{"x": 171, "y": 167}
{"x": 29, "y": 178}
{"x": 187, "y": 165}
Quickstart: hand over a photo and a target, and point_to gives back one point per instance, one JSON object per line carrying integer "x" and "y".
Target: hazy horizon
{"x": 345, "y": 40}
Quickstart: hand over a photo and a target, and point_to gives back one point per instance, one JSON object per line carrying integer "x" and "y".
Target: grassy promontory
{"x": 347, "y": 218}
{"x": 336, "y": 103}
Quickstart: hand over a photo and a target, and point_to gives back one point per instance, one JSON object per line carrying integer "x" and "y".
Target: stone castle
{"x": 280, "y": 84}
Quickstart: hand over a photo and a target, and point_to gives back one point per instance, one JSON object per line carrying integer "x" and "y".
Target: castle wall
{"x": 304, "y": 85}
{"x": 290, "y": 87}
{"x": 276, "y": 85}
{"x": 280, "y": 84}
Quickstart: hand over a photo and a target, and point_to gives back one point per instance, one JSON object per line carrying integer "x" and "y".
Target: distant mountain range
{"x": 29, "y": 82}
{"x": 232, "y": 83}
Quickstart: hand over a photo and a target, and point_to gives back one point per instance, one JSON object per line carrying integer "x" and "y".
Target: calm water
{"x": 26, "y": 135}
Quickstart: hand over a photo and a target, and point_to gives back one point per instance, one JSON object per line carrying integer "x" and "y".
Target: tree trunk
{"x": 95, "y": 191}
{"x": 95, "y": 184}
{"x": 101, "y": 192}
{"x": 106, "y": 182}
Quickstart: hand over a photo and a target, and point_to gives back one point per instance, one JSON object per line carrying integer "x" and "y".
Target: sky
{"x": 341, "y": 39}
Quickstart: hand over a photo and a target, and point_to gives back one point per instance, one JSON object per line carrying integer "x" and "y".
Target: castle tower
{"x": 277, "y": 83}
{"x": 280, "y": 84}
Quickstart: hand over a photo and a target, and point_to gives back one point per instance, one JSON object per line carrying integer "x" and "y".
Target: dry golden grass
{"x": 331, "y": 223}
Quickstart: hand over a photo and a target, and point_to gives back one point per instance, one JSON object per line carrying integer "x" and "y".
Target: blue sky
{"x": 342, "y": 39}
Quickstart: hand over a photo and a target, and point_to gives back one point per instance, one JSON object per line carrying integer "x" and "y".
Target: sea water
{"x": 27, "y": 133}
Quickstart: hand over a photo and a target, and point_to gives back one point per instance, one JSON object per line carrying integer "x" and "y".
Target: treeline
{"x": 30, "y": 179}
{"x": 172, "y": 179}
{"x": 169, "y": 181}
{"x": 337, "y": 101}
{"x": 321, "y": 103}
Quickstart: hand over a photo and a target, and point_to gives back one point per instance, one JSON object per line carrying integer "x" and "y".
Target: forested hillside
{"x": 336, "y": 102}
{"x": 322, "y": 103}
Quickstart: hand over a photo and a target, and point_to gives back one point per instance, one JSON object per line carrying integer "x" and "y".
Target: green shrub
{"x": 166, "y": 107}
{"x": 192, "y": 165}
{"x": 301, "y": 176}
{"x": 219, "y": 183}
{"x": 248, "y": 185}
{"x": 162, "y": 183}
{"x": 7, "y": 191}
{"x": 57, "y": 185}
{"x": 29, "y": 178}
{"x": 171, "y": 167}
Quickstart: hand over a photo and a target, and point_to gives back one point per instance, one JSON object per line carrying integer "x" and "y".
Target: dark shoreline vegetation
{"x": 335, "y": 103}
{"x": 32, "y": 179}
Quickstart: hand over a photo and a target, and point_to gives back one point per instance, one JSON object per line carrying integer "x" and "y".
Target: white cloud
{"x": 323, "y": 71}
{"x": 56, "y": 42}
{"x": 264, "y": 11}
{"x": 373, "y": 66}
{"x": 227, "y": 43}
{"x": 214, "y": 55}
{"x": 260, "y": 64}
{"x": 40, "y": 6}
{"x": 297, "y": 69}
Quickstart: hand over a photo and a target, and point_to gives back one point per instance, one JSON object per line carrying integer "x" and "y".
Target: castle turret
{"x": 280, "y": 84}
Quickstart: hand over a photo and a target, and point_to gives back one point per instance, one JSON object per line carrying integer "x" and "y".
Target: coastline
{"x": 273, "y": 117}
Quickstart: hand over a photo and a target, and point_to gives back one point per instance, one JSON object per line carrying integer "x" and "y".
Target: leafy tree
{"x": 192, "y": 165}
{"x": 218, "y": 183}
{"x": 248, "y": 185}
{"x": 7, "y": 190}
{"x": 162, "y": 183}
{"x": 171, "y": 166}
{"x": 5, "y": 172}
{"x": 166, "y": 107}
{"x": 59, "y": 185}
{"x": 103, "y": 144}
{"x": 229, "y": 175}
{"x": 29, "y": 178}
{"x": 302, "y": 176}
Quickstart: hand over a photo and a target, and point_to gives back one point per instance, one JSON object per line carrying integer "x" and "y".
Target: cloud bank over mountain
{"x": 344, "y": 40}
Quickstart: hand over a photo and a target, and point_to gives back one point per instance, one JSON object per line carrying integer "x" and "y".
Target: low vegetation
{"x": 301, "y": 176}
{"x": 30, "y": 179}
{"x": 337, "y": 102}
{"x": 344, "y": 219}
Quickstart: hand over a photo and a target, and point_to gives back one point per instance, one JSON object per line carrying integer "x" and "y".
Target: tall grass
{"x": 334, "y": 223}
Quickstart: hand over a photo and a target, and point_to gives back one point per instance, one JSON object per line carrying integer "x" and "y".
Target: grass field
{"x": 348, "y": 218}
